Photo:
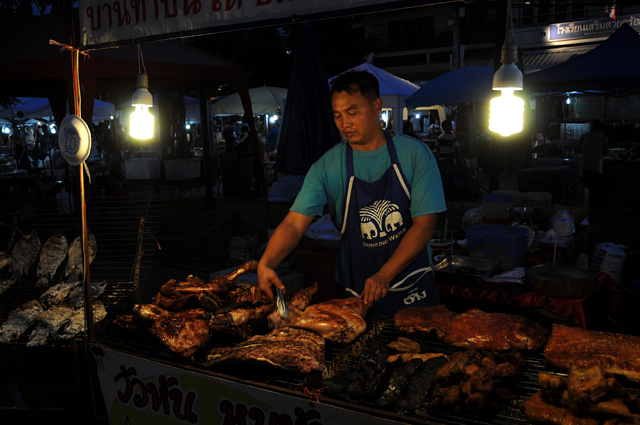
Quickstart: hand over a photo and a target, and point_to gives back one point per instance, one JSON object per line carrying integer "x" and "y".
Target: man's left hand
{"x": 375, "y": 288}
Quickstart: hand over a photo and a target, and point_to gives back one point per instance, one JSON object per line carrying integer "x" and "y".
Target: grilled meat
{"x": 53, "y": 253}
{"x": 57, "y": 293}
{"x": 19, "y": 320}
{"x": 240, "y": 316}
{"x": 495, "y": 331}
{"x": 616, "y": 353}
{"x": 287, "y": 348}
{"x": 424, "y": 320}
{"x": 76, "y": 297}
{"x": 75, "y": 265}
{"x": 150, "y": 312}
{"x": 397, "y": 382}
{"x": 176, "y": 295}
{"x": 49, "y": 322}
{"x": 538, "y": 410}
{"x": 409, "y": 356}
{"x": 339, "y": 320}
{"x": 24, "y": 253}
{"x": 6, "y": 284}
{"x": 405, "y": 345}
{"x": 417, "y": 389}
{"x": 183, "y": 332}
{"x": 77, "y": 325}
{"x": 246, "y": 295}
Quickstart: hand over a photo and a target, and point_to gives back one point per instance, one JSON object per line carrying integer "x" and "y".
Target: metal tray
{"x": 463, "y": 269}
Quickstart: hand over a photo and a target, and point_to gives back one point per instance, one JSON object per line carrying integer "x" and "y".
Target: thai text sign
{"x": 592, "y": 28}
{"x": 139, "y": 391}
{"x": 111, "y": 22}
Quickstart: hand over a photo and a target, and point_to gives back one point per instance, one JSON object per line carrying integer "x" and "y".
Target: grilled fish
{"x": 57, "y": 293}
{"x": 5, "y": 260}
{"x": 24, "y": 253}
{"x": 77, "y": 325}
{"x": 76, "y": 297}
{"x": 49, "y": 322}
{"x": 53, "y": 253}
{"x": 19, "y": 320}
{"x": 6, "y": 283}
{"x": 75, "y": 266}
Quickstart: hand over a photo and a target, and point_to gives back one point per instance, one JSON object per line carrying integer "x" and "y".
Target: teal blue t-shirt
{"x": 326, "y": 181}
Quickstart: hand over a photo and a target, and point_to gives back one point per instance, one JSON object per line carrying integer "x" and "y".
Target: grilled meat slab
{"x": 53, "y": 253}
{"x": 20, "y": 319}
{"x": 424, "y": 320}
{"x": 495, "y": 331}
{"x": 538, "y": 410}
{"x": 183, "y": 332}
{"x": 618, "y": 354}
{"x": 287, "y": 348}
{"x": 339, "y": 320}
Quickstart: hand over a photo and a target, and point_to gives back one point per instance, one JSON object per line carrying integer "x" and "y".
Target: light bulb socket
{"x": 142, "y": 95}
{"x": 508, "y": 76}
{"x": 509, "y": 53}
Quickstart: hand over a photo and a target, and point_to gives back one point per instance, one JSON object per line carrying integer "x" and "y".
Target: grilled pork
{"x": 616, "y": 353}
{"x": 53, "y": 253}
{"x": 339, "y": 320}
{"x": 495, "y": 331}
{"x": 287, "y": 348}
{"x": 183, "y": 332}
{"x": 424, "y": 319}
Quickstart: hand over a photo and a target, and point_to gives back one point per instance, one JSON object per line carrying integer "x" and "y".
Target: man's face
{"x": 356, "y": 117}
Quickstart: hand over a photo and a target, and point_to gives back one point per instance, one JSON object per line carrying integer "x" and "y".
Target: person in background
{"x": 593, "y": 146}
{"x": 434, "y": 130}
{"x": 229, "y": 135}
{"x": 383, "y": 194}
{"x": 447, "y": 144}
{"x": 407, "y": 128}
{"x": 272, "y": 136}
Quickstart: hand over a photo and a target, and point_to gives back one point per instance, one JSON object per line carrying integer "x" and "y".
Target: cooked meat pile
{"x": 400, "y": 385}
{"x": 475, "y": 380}
{"x": 288, "y": 348}
{"x": 424, "y": 320}
{"x": 338, "y": 320}
{"x": 617, "y": 354}
{"x": 183, "y": 332}
{"x": 584, "y": 397}
{"x": 495, "y": 331}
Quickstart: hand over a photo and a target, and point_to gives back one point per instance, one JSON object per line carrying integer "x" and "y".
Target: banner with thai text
{"x": 138, "y": 391}
{"x": 593, "y": 28}
{"x": 110, "y": 22}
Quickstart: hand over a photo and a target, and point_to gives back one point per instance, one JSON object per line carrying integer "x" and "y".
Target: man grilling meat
{"x": 382, "y": 193}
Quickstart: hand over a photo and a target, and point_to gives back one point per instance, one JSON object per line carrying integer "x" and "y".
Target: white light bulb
{"x": 141, "y": 123}
{"x": 506, "y": 113}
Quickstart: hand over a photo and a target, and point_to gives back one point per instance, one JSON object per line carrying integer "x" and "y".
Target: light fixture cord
{"x": 141, "y": 67}
{"x": 509, "y": 24}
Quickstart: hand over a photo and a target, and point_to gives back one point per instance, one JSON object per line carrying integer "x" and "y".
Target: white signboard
{"x": 110, "y": 22}
{"x": 139, "y": 391}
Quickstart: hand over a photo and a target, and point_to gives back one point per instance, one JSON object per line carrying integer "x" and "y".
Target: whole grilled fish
{"x": 19, "y": 320}
{"x": 77, "y": 323}
{"x": 76, "y": 298}
{"x": 49, "y": 322}
{"x": 53, "y": 253}
{"x": 5, "y": 260}
{"x": 57, "y": 293}
{"x": 75, "y": 266}
{"x": 6, "y": 283}
{"x": 24, "y": 253}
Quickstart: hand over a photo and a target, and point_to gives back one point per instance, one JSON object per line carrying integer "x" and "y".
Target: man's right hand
{"x": 267, "y": 278}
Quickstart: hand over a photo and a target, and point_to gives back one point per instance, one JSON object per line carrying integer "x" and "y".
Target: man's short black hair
{"x": 357, "y": 81}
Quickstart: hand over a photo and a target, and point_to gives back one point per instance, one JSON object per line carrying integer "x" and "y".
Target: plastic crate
{"x": 509, "y": 244}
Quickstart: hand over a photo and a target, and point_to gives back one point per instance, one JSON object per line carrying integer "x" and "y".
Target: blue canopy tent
{"x": 469, "y": 84}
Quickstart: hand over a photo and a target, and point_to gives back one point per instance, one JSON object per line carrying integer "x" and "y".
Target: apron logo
{"x": 379, "y": 219}
{"x": 416, "y": 296}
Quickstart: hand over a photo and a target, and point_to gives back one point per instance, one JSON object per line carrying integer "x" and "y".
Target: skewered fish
{"x": 75, "y": 266}
{"x": 53, "y": 253}
{"x": 5, "y": 260}
{"x": 24, "y": 253}
{"x": 19, "y": 320}
{"x": 76, "y": 297}
{"x": 57, "y": 293}
{"x": 77, "y": 323}
{"x": 49, "y": 322}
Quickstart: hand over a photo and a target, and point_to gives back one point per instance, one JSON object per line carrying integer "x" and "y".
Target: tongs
{"x": 281, "y": 306}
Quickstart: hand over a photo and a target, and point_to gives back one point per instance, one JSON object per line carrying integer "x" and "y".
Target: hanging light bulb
{"x": 506, "y": 112}
{"x": 141, "y": 120}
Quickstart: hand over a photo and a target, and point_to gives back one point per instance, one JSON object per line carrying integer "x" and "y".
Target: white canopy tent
{"x": 38, "y": 108}
{"x": 393, "y": 91}
{"x": 264, "y": 100}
